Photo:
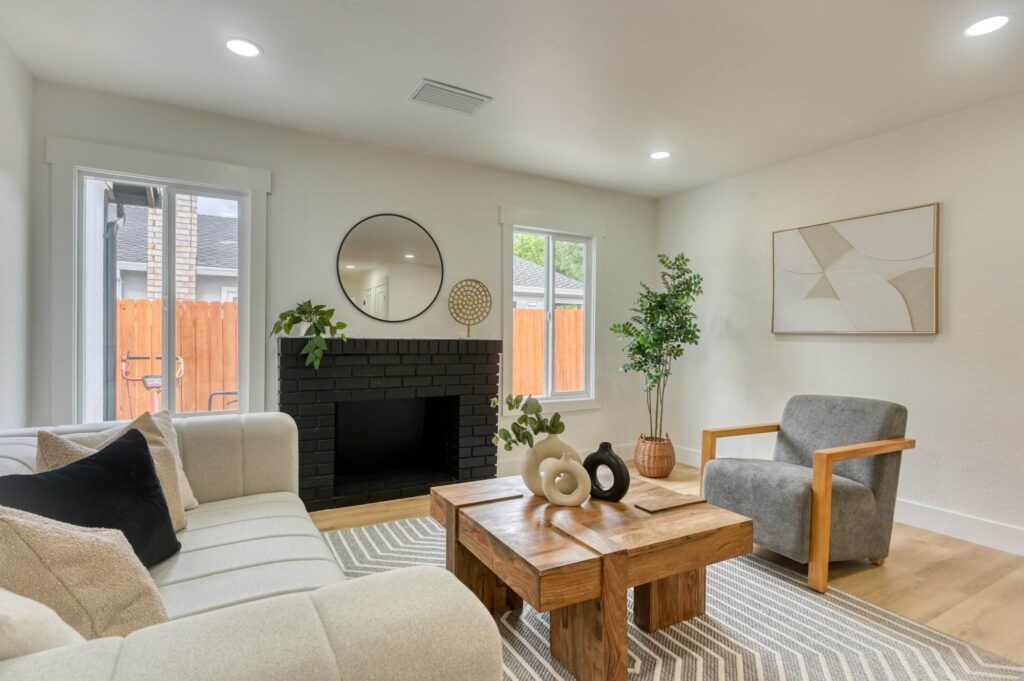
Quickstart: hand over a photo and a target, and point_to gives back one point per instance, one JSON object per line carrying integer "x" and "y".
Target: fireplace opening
{"x": 388, "y": 449}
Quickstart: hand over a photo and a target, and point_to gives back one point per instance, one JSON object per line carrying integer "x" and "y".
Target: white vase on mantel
{"x": 551, "y": 447}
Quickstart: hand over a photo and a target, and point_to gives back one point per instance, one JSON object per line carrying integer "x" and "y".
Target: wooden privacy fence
{"x": 206, "y": 340}
{"x": 528, "y": 345}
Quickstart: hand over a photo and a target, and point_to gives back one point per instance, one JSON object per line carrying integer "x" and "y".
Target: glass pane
{"x": 133, "y": 296}
{"x": 529, "y": 321}
{"x": 206, "y": 303}
{"x": 569, "y": 354}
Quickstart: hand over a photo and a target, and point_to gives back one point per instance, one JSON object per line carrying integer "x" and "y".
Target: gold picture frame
{"x": 827, "y": 247}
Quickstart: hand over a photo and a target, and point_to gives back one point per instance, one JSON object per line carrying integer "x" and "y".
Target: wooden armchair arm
{"x": 709, "y": 442}
{"x": 833, "y": 454}
{"x": 821, "y": 499}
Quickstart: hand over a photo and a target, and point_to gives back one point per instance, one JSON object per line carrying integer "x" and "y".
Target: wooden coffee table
{"x": 508, "y": 545}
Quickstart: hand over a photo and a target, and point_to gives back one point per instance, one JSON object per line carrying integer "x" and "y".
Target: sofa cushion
{"x": 28, "y": 626}
{"x": 244, "y": 549}
{"x": 57, "y": 451}
{"x": 412, "y": 624}
{"x": 116, "y": 488}
{"x": 163, "y": 445}
{"x": 778, "y": 497}
{"x": 90, "y": 577}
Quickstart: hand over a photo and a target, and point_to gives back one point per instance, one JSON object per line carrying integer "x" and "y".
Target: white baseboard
{"x": 970, "y": 528}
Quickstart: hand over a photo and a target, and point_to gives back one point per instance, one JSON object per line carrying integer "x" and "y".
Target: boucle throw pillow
{"x": 116, "y": 488}
{"x": 56, "y": 451}
{"x": 90, "y": 577}
{"x": 162, "y": 419}
{"x": 163, "y": 422}
{"x": 28, "y": 626}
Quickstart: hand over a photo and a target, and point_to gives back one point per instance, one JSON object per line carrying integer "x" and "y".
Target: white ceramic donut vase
{"x": 566, "y": 469}
{"x": 550, "y": 447}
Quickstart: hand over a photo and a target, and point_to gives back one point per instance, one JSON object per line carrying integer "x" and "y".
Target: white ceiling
{"x": 583, "y": 89}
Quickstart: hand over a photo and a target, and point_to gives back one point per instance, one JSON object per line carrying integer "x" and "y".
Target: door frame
{"x": 62, "y": 398}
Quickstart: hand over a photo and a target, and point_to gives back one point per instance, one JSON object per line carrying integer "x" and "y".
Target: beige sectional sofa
{"x": 255, "y": 592}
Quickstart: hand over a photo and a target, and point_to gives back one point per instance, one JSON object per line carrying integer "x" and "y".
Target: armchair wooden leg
{"x": 707, "y": 453}
{"x": 821, "y": 525}
{"x": 878, "y": 561}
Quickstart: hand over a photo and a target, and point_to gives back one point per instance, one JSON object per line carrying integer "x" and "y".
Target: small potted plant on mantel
{"x": 318, "y": 321}
{"x": 662, "y": 325}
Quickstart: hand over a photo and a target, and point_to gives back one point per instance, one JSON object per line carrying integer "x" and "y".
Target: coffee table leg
{"x": 589, "y": 638}
{"x": 667, "y": 601}
{"x": 496, "y": 596}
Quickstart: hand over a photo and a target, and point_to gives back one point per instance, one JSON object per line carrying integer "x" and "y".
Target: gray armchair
{"x": 829, "y": 491}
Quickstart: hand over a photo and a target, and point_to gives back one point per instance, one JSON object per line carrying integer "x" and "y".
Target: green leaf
{"x": 532, "y": 406}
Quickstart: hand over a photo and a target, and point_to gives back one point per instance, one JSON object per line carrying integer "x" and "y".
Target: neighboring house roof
{"x": 526, "y": 274}
{"x": 218, "y": 239}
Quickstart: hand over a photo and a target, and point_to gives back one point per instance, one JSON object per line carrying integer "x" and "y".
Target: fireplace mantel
{"x": 463, "y": 372}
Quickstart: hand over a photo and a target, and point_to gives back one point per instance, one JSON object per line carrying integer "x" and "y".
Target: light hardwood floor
{"x": 966, "y": 590}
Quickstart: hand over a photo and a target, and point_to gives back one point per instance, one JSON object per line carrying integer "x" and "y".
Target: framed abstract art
{"x": 873, "y": 274}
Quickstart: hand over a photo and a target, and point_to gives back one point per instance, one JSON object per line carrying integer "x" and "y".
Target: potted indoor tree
{"x": 662, "y": 325}
{"x": 318, "y": 321}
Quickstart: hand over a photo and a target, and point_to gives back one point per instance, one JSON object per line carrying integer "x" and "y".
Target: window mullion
{"x": 549, "y": 307}
{"x": 169, "y": 365}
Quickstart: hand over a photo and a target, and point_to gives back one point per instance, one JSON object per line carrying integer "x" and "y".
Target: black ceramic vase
{"x": 606, "y": 456}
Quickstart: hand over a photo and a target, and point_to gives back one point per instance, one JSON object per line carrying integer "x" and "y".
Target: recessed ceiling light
{"x": 350, "y": 267}
{"x": 409, "y": 256}
{"x": 244, "y": 48}
{"x": 660, "y": 155}
{"x": 986, "y": 26}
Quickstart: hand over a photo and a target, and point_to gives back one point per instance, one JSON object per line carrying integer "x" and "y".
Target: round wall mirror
{"x": 390, "y": 267}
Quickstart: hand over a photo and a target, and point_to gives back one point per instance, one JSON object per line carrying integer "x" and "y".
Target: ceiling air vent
{"x": 448, "y": 97}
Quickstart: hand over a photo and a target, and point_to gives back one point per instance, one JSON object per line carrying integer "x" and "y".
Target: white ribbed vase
{"x": 551, "y": 447}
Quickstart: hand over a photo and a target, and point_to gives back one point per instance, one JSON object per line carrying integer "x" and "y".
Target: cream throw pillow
{"x": 163, "y": 422}
{"x": 27, "y": 627}
{"x": 55, "y": 451}
{"x": 162, "y": 419}
{"x": 90, "y": 577}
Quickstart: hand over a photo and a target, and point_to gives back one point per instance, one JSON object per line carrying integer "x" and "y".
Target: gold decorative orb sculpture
{"x": 469, "y": 303}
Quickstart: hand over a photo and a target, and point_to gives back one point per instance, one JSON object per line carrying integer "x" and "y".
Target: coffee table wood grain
{"x": 508, "y": 545}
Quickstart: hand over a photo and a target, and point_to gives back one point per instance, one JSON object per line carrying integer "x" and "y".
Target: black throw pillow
{"x": 115, "y": 488}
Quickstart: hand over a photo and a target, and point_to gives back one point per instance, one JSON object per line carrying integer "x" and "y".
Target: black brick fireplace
{"x": 389, "y": 418}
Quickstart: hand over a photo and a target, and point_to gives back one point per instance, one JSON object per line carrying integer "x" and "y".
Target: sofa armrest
{"x": 233, "y": 455}
{"x": 413, "y": 624}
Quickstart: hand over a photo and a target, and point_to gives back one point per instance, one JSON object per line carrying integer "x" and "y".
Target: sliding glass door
{"x": 159, "y": 294}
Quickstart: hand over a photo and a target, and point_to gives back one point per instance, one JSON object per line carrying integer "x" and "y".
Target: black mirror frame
{"x": 337, "y": 270}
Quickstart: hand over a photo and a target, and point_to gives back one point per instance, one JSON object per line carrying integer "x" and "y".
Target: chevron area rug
{"x": 762, "y": 624}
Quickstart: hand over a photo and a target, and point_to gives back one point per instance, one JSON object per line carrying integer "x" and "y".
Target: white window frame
{"x": 70, "y": 160}
{"x": 558, "y": 228}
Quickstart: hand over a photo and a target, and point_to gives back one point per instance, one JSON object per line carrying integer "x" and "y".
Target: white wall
{"x": 964, "y": 388}
{"x": 15, "y": 135}
{"x": 322, "y": 186}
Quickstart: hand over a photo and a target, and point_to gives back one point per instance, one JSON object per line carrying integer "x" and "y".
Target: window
{"x": 159, "y": 288}
{"x": 552, "y": 301}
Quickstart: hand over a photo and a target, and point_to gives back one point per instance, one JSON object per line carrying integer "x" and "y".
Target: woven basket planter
{"x": 654, "y": 459}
